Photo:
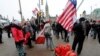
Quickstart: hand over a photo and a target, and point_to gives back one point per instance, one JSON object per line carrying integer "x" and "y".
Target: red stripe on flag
{"x": 68, "y": 23}
{"x": 70, "y": 27}
{"x": 66, "y": 18}
{"x": 66, "y": 12}
{"x": 69, "y": 15}
{"x": 58, "y": 19}
{"x": 70, "y": 18}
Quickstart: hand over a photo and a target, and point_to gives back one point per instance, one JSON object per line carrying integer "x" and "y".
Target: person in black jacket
{"x": 59, "y": 29}
{"x": 88, "y": 27}
{"x": 79, "y": 35}
{"x": 8, "y": 28}
{"x": 94, "y": 26}
{"x": 98, "y": 31}
{"x": 34, "y": 30}
{"x": 1, "y": 35}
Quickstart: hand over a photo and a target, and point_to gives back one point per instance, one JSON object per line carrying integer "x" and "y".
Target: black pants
{"x": 66, "y": 37}
{"x": 0, "y": 38}
{"x": 34, "y": 36}
{"x": 57, "y": 34}
{"x": 61, "y": 34}
{"x": 78, "y": 40}
{"x": 8, "y": 34}
{"x": 87, "y": 32}
{"x": 99, "y": 37}
{"x": 29, "y": 43}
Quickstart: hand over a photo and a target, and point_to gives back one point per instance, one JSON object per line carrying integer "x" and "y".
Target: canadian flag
{"x": 35, "y": 11}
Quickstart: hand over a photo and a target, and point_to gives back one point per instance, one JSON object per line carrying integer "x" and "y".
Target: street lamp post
{"x": 20, "y": 10}
{"x": 39, "y": 5}
{"x": 39, "y": 16}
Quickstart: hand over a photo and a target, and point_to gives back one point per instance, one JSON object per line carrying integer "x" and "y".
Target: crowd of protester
{"x": 25, "y": 33}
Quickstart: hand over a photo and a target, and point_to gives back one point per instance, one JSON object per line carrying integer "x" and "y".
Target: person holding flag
{"x": 67, "y": 20}
{"x": 68, "y": 17}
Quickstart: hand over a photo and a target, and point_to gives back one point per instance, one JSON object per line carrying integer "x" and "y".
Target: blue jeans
{"x": 20, "y": 49}
{"x": 49, "y": 42}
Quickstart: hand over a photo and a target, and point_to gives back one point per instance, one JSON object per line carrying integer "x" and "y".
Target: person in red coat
{"x": 17, "y": 34}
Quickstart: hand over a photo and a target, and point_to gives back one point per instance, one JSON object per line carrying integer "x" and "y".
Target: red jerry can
{"x": 27, "y": 36}
{"x": 73, "y": 54}
{"x": 65, "y": 48}
{"x": 63, "y": 51}
{"x": 40, "y": 39}
{"x": 68, "y": 46}
{"x": 57, "y": 51}
{"x": 69, "y": 52}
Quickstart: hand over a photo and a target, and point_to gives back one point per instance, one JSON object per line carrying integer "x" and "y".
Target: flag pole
{"x": 47, "y": 10}
{"x": 39, "y": 5}
{"x": 20, "y": 10}
{"x": 80, "y": 4}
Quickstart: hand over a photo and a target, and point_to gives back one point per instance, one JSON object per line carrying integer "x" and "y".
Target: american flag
{"x": 66, "y": 19}
{"x": 35, "y": 11}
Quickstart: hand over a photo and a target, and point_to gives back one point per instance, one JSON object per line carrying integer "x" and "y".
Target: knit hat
{"x": 82, "y": 19}
{"x": 15, "y": 22}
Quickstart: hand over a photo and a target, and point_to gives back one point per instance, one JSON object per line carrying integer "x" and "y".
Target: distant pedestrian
{"x": 1, "y": 35}
{"x": 88, "y": 27}
{"x": 47, "y": 32}
{"x": 27, "y": 34}
{"x": 34, "y": 30}
{"x": 7, "y": 28}
{"x": 59, "y": 29}
{"x": 94, "y": 26}
{"x": 53, "y": 28}
{"x": 98, "y": 32}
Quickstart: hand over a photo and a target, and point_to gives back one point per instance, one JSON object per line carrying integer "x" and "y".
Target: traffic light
{"x": 39, "y": 14}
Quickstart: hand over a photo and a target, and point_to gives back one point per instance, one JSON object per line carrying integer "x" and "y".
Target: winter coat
{"x": 17, "y": 33}
{"x": 47, "y": 29}
{"x": 0, "y": 31}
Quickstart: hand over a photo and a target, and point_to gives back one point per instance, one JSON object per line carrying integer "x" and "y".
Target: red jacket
{"x": 27, "y": 36}
{"x": 17, "y": 34}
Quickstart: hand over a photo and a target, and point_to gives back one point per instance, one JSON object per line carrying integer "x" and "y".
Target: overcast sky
{"x": 11, "y": 7}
